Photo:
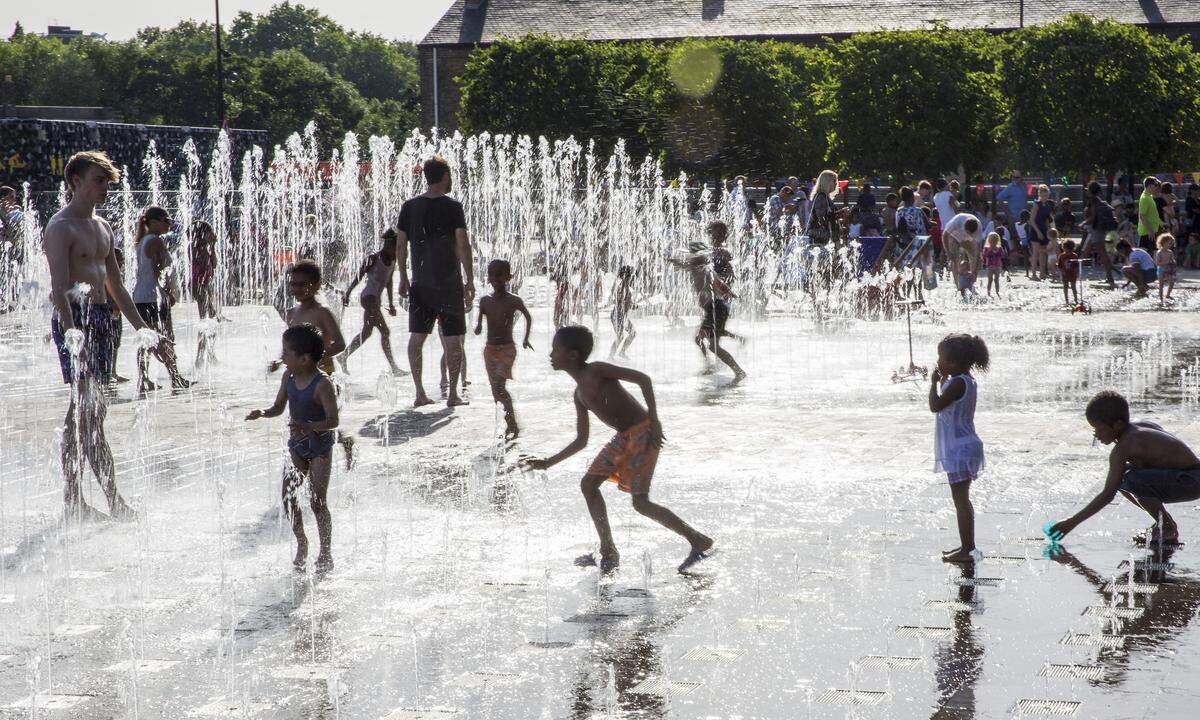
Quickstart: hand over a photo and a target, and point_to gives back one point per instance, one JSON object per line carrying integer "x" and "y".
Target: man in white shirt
{"x": 1141, "y": 270}
{"x": 962, "y": 243}
{"x": 945, "y": 202}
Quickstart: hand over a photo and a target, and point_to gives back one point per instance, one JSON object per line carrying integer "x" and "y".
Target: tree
{"x": 295, "y": 90}
{"x": 18, "y": 31}
{"x": 288, "y": 27}
{"x": 925, "y": 101}
{"x": 722, "y": 107}
{"x": 1092, "y": 94}
{"x": 537, "y": 85}
{"x": 380, "y": 69}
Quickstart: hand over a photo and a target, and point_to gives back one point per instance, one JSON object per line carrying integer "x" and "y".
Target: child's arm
{"x": 280, "y": 402}
{"x": 528, "y": 322}
{"x": 642, "y": 380}
{"x": 362, "y": 271}
{"x": 1116, "y": 474}
{"x": 579, "y": 443}
{"x": 324, "y": 395}
{"x": 479, "y": 319}
{"x": 335, "y": 342}
{"x": 391, "y": 298}
{"x": 954, "y": 391}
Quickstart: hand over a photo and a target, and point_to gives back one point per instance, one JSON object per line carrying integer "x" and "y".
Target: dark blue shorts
{"x": 1168, "y": 486}
{"x": 312, "y": 445}
{"x": 99, "y": 339}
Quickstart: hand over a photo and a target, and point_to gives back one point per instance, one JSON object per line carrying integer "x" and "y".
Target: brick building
{"x": 471, "y": 23}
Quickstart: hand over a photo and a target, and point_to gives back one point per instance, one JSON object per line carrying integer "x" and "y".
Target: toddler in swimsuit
{"x": 309, "y": 397}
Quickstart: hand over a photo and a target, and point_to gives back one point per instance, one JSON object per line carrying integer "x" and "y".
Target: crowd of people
{"x": 1022, "y": 227}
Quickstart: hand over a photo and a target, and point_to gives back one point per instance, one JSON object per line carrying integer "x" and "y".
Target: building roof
{"x": 667, "y": 19}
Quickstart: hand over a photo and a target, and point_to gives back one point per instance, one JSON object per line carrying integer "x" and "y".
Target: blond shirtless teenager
{"x": 84, "y": 281}
{"x": 1148, "y": 465}
{"x": 304, "y": 281}
{"x": 629, "y": 458}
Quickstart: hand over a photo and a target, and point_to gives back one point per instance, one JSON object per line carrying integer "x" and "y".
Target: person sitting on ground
{"x": 1148, "y": 465}
{"x": 1141, "y": 270}
{"x": 629, "y": 458}
{"x": 500, "y": 352}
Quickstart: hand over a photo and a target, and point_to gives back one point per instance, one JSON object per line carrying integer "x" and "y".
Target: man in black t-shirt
{"x": 432, "y": 230}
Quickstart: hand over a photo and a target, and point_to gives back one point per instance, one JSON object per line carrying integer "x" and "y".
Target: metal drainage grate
{"x": 714, "y": 654}
{"x": 596, "y": 617}
{"x": 664, "y": 688}
{"x": 1089, "y": 640}
{"x": 1052, "y": 708}
{"x": 1009, "y": 559}
{"x": 549, "y": 644}
{"x": 955, "y": 605}
{"x": 924, "y": 632}
{"x": 1072, "y": 672}
{"x": 888, "y": 662}
{"x": 421, "y": 714}
{"x": 851, "y": 697}
{"x": 1108, "y": 611}
{"x": 977, "y": 582}
{"x": 765, "y": 622}
{"x": 633, "y": 593}
{"x": 1137, "y": 588}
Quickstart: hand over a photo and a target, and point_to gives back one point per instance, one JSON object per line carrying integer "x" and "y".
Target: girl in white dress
{"x": 957, "y": 449}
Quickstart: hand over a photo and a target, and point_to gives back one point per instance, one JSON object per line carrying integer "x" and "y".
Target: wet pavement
{"x": 455, "y": 594}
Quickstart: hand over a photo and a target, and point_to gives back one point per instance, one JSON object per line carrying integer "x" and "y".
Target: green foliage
{"x": 282, "y": 69}
{"x": 924, "y": 101}
{"x": 1092, "y": 94}
{"x": 558, "y": 87}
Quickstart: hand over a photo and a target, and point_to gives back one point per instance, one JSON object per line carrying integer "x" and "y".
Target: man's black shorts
{"x": 426, "y": 306}
{"x": 152, "y": 315}
{"x": 716, "y": 314}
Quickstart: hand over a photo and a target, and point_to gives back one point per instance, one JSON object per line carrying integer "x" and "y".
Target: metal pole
{"x": 220, "y": 72}
{"x": 436, "y": 118}
{"x": 1021, "y": 18}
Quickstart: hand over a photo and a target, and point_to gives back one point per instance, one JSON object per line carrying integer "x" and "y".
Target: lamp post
{"x": 220, "y": 72}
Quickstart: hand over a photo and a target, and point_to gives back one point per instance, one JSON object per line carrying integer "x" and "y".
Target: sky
{"x": 121, "y": 19}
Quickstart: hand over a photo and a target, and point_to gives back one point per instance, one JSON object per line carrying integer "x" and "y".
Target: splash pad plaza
{"x": 455, "y": 594}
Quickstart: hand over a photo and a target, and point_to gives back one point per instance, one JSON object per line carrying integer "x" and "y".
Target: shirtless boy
{"x": 500, "y": 352}
{"x": 304, "y": 280}
{"x": 378, "y": 269}
{"x": 1148, "y": 465}
{"x": 83, "y": 277}
{"x": 629, "y": 458}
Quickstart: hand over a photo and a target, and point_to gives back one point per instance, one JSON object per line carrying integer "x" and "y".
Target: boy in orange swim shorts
{"x": 500, "y": 352}
{"x": 629, "y": 458}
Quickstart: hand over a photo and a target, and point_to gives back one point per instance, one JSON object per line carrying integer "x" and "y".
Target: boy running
{"x": 629, "y": 458}
{"x": 500, "y": 352}
{"x": 378, "y": 269}
{"x": 1148, "y": 465}
{"x": 304, "y": 280}
{"x": 308, "y": 395}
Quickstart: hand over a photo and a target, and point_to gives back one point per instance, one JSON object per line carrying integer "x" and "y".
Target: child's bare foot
{"x": 324, "y": 562}
{"x": 181, "y": 383}
{"x": 399, "y": 372}
{"x": 422, "y": 400}
{"x": 698, "y": 552}
{"x": 738, "y": 376}
{"x": 301, "y": 558}
{"x": 511, "y": 431}
{"x": 608, "y": 563}
{"x": 120, "y": 510}
{"x": 951, "y": 552}
{"x": 962, "y": 555}
{"x": 455, "y": 401}
{"x": 82, "y": 512}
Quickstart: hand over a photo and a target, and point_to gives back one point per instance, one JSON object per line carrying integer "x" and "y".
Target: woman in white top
{"x": 378, "y": 269}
